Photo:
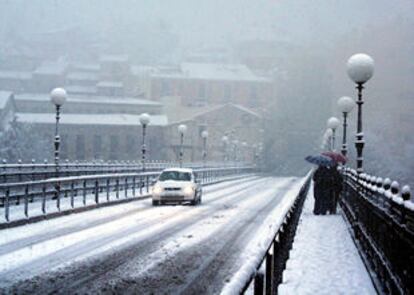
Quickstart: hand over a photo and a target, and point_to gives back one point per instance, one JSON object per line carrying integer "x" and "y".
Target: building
{"x": 238, "y": 123}
{"x": 95, "y": 127}
{"x": 210, "y": 84}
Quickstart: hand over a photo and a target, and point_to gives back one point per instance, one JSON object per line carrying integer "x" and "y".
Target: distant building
{"x": 235, "y": 121}
{"x": 210, "y": 84}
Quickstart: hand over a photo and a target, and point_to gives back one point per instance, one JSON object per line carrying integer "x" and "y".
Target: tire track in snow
{"x": 67, "y": 254}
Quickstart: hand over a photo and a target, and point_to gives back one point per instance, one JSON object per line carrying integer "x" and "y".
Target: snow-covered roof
{"x": 210, "y": 71}
{"x": 217, "y": 108}
{"x": 87, "y": 99}
{"x": 4, "y": 98}
{"x": 83, "y": 75}
{"x": 15, "y": 75}
{"x": 110, "y": 84}
{"x": 113, "y": 58}
{"x": 80, "y": 89}
{"x": 49, "y": 68}
{"x": 90, "y": 119}
{"x": 86, "y": 67}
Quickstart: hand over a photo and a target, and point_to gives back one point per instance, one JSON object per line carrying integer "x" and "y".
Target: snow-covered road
{"x": 136, "y": 248}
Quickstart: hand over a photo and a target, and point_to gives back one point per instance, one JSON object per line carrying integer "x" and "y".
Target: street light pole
{"x": 204, "y": 135}
{"x": 182, "y": 130}
{"x": 58, "y": 97}
{"x": 333, "y": 123}
{"x": 144, "y": 120}
{"x": 345, "y": 105}
{"x": 360, "y": 68}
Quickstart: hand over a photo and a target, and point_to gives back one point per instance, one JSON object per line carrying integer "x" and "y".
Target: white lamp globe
{"x": 328, "y": 133}
{"x": 333, "y": 123}
{"x": 204, "y": 134}
{"x": 58, "y": 96}
{"x": 144, "y": 119}
{"x": 182, "y": 129}
{"x": 225, "y": 139}
{"x": 345, "y": 104}
{"x": 360, "y": 68}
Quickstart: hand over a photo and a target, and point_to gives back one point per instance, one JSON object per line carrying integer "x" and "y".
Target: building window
{"x": 113, "y": 151}
{"x": 97, "y": 146}
{"x": 80, "y": 146}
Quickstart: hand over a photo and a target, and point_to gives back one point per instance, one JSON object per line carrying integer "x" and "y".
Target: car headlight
{"x": 188, "y": 190}
{"x": 157, "y": 190}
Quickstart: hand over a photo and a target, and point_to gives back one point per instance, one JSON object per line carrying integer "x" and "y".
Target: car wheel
{"x": 193, "y": 202}
{"x": 155, "y": 203}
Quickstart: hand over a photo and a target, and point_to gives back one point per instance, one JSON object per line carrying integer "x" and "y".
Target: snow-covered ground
{"x": 135, "y": 247}
{"x": 324, "y": 259}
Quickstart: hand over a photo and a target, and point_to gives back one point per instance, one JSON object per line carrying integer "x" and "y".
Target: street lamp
{"x": 360, "y": 68}
{"x": 225, "y": 141}
{"x": 144, "y": 119}
{"x": 182, "y": 129}
{"x": 235, "y": 151}
{"x": 327, "y": 137}
{"x": 58, "y": 97}
{"x": 345, "y": 105}
{"x": 332, "y": 124}
{"x": 204, "y": 135}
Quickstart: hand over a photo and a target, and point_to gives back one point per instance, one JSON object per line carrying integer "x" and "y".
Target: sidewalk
{"x": 324, "y": 259}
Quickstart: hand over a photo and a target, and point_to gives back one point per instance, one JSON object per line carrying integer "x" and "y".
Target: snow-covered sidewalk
{"x": 324, "y": 259}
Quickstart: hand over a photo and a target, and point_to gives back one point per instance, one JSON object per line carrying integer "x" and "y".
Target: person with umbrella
{"x": 322, "y": 183}
{"x": 335, "y": 179}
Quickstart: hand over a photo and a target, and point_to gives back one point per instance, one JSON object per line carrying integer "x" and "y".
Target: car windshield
{"x": 175, "y": 175}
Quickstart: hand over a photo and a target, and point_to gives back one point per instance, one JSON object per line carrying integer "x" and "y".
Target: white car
{"x": 176, "y": 185}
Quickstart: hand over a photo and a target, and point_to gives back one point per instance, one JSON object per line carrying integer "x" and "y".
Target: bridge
{"x": 92, "y": 227}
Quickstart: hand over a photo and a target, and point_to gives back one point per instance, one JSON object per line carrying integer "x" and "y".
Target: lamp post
{"x": 332, "y": 124}
{"x": 182, "y": 129}
{"x": 144, "y": 120}
{"x": 345, "y": 105}
{"x": 360, "y": 68}
{"x": 327, "y": 139}
{"x": 58, "y": 97}
{"x": 204, "y": 136}
{"x": 225, "y": 141}
{"x": 235, "y": 143}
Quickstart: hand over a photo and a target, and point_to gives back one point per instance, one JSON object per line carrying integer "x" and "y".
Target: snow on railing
{"x": 273, "y": 251}
{"x": 381, "y": 216}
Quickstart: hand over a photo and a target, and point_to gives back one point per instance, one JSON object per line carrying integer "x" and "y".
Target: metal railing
{"x": 382, "y": 224}
{"x": 274, "y": 258}
{"x": 89, "y": 189}
{"x": 20, "y": 172}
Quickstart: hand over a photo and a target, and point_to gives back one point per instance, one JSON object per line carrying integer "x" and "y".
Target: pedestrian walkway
{"x": 324, "y": 259}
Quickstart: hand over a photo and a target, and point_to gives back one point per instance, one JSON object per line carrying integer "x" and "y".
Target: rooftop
{"x": 88, "y": 99}
{"x": 209, "y": 71}
{"x": 91, "y": 119}
{"x": 110, "y": 84}
{"x": 15, "y": 75}
{"x": 51, "y": 68}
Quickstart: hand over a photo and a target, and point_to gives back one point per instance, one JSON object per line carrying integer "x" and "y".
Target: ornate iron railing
{"x": 382, "y": 223}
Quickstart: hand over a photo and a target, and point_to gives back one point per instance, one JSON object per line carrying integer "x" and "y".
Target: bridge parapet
{"x": 381, "y": 216}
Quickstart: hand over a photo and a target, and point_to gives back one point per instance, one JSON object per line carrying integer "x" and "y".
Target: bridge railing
{"x": 19, "y": 172}
{"x": 80, "y": 191}
{"x": 382, "y": 222}
{"x": 273, "y": 257}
